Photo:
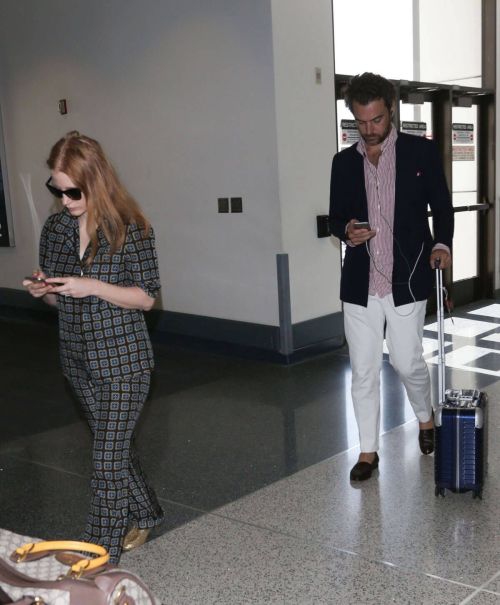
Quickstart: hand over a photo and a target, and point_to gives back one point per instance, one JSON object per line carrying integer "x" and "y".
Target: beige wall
{"x": 306, "y": 138}
{"x": 181, "y": 93}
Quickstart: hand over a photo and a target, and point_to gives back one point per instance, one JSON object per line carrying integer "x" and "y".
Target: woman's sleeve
{"x": 141, "y": 260}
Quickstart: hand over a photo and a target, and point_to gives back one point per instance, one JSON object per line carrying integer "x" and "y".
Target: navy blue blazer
{"x": 420, "y": 183}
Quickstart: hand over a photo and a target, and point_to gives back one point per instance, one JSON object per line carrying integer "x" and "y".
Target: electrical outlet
{"x": 223, "y": 203}
{"x": 63, "y": 107}
{"x": 236, "y": 204}
{"x": 322, "y": 225}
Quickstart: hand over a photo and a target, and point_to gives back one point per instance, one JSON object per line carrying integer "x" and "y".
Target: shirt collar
{"x": 70, "y": 223}
{"x": 389, "y": 141}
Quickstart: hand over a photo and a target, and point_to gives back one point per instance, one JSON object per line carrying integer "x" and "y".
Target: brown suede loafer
{"x": 363, "y": 470}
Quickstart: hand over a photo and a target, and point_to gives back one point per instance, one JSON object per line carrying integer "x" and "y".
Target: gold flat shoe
{"x": 135, "y": 537}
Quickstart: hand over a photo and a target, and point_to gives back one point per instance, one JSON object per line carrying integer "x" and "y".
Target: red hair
{"x": 109, "y": 205}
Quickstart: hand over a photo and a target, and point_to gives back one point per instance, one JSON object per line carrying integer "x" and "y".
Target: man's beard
{"x": 376, "y": 139}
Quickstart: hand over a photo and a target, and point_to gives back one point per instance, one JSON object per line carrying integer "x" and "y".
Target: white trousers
{"x": 364, "y": 330}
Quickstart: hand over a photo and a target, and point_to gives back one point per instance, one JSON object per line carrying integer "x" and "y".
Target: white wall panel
{"x": 306, "y": 137}
{"x": 450, "y": 41}
{"x": 181, "y": 95}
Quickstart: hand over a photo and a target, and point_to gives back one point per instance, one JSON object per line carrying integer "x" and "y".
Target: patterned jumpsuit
{"x": 106, "y": 356}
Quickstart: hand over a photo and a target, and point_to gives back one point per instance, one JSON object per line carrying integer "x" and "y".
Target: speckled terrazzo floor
{"x": 251, "y": 463}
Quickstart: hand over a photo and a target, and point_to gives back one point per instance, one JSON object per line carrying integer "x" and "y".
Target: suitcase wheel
{"x": 439, "y": 491}
{"x": 477, "y": 493}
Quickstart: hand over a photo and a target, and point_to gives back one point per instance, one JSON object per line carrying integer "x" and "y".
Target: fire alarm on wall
{"x": 63, "y": 107}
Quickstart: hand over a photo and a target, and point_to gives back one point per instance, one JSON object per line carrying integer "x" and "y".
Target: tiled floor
{"x": 251, "y": 463}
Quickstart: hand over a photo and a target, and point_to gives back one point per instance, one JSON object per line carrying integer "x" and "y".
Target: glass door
{"x": 471, "y": 157}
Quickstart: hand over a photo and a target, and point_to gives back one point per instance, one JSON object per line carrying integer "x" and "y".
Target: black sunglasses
{"x": 73, "y": 193}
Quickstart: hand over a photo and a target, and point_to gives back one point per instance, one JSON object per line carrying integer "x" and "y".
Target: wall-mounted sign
{"x": 418, "y": 129}
{"x": 350, "y": 133}
{"x": 462, "y": 133}
{"x": 462, "y": 142}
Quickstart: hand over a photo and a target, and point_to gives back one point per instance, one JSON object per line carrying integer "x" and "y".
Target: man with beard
{"x": 381, "y": 188}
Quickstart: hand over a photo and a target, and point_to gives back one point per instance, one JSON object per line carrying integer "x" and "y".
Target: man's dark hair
{"x": 368, "y": 87}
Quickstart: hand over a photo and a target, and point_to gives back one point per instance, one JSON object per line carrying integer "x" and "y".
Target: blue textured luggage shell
{"x": 460, "y": 424}
{"x": 460, "y": 446}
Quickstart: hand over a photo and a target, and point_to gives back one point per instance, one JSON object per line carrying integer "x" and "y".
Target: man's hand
{"x": 356, "y": 237}
{"x": 443, "y": 256}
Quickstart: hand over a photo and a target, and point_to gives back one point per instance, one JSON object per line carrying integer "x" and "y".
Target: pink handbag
{"x": 30, "y": 574}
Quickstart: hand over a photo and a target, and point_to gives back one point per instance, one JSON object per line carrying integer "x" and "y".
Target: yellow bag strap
{"x": 85, "y": 565}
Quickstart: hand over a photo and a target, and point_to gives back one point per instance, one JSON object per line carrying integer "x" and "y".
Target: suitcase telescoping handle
{"x": 440, "y": 329}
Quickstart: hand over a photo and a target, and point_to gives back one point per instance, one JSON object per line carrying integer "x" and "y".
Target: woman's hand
{"x": 127, "y": 297}
{"x": 38, "y": 289}
{"x": 41, "y": 289}
{"x": 76, "y": 287}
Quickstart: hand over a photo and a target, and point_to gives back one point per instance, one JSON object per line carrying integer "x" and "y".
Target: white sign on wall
{"x": 350, "y": 133}
{"x": 462, "y": 140}
{"x": 418, "y": 129}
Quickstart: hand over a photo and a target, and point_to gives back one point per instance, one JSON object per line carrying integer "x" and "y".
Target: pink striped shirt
{"x": 380, "y": 184}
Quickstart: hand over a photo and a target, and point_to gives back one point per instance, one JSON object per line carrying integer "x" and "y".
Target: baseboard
{"x": 211, "y": 334}
{"x": 19, "y": 305}
{"x": 315, "y": 331}
{"x": 255, "y": 341}
{"x": 241, "y": 333}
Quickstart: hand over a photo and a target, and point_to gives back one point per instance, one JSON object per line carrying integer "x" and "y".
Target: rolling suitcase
{"x": 460, "y": 423}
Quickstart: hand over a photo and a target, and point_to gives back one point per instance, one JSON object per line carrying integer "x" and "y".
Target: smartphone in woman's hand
{"x": 35, "y": 279}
